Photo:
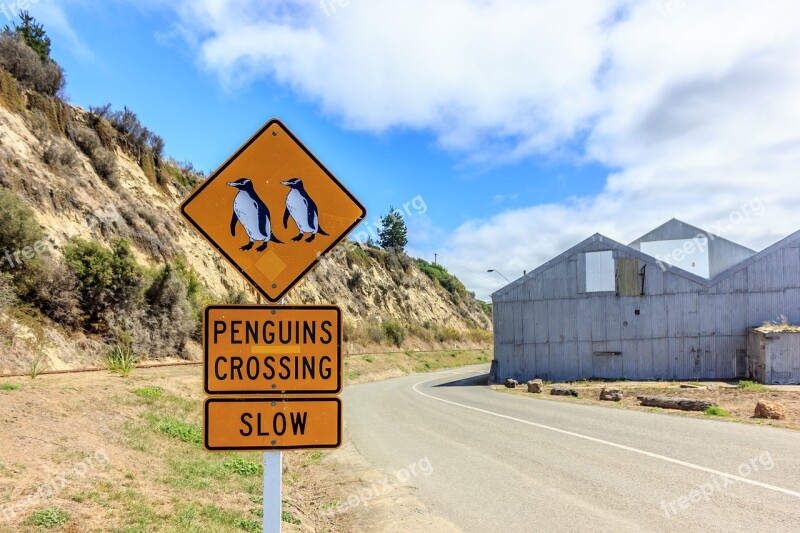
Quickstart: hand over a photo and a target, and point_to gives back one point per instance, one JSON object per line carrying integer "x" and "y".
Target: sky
{"x": 512, "y": 129}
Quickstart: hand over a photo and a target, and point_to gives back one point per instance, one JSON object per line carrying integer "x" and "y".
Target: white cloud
{"x": 694, "y": 101}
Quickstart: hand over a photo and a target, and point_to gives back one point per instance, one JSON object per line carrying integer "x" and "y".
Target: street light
{"x": 499, "y": 274}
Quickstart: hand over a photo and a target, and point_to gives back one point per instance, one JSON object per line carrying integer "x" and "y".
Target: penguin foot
{"x": 247, "y": 246}
{"x": 298, "y": 238}
{"x": 262, "y": 247}
{"x": 311, "y": 239}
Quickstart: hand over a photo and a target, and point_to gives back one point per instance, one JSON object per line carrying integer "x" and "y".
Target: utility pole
{"x": 435, "y": 258}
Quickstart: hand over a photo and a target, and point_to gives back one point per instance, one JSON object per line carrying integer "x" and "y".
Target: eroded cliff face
{"x": 44, "y": 164}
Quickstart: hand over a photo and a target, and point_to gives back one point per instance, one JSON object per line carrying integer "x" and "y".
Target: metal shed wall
{"x": 686, "y": 327}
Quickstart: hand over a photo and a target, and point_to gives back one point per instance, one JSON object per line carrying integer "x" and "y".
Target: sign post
{"x": 272, "y": 374}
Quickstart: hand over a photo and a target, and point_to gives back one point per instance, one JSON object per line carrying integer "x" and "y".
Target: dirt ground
{"x": 739, "y": 402}
{"x": 97, "y": 452}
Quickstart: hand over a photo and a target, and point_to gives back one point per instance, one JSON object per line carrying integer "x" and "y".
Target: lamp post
{"x": 499, "y": 274}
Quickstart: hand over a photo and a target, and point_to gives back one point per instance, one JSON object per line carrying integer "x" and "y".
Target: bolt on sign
{"x": 272, "y": 210}
{"x": 272, "y": 350}
{"x": 247, "y": 424}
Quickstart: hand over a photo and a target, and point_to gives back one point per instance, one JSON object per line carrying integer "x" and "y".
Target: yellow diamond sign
{"x": 273, "y": 210}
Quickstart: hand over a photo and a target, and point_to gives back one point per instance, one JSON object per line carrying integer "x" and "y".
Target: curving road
{"x": 489, "y": 461}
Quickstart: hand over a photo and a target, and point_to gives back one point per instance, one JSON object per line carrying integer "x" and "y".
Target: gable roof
{"x": 675, "y": 229}
{"x": 614, "y": 245}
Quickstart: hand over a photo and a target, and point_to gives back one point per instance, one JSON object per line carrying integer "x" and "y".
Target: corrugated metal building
{"x": 606, "y": 310}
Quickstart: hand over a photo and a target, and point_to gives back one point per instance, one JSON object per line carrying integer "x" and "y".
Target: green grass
{"x": 50, "y": 518}
{"x": 369, "y": 359}
{"x": 716, "y": 410}
{"x": 149, "y": 393}
{"x": 751, "y": 386}
{"x": 313, "y": 458}
{"x": 289, "y": 518}
{"x": 243, "y": 467}
{"x": 176, "y": 428}
{"x": 8, "y": 386}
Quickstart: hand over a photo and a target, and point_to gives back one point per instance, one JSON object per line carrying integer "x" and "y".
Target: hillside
{"x": 99, "y": 177}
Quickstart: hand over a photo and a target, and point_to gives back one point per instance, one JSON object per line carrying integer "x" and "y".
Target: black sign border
{"x": 227, "y": 163}
{"x": 272, "y": 448}
{"x": 266, "y": 308}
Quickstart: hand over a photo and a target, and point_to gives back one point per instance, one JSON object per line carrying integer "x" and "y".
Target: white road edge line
{"x": 612, "y": 444}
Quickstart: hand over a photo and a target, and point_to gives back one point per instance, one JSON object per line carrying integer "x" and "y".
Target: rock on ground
{"x": 768, "y": 409}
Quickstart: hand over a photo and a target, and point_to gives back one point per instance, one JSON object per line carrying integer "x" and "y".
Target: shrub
{"x": 716, "y": 410}
{"x": 169, "y": 319}
{"x": 104, "y": 162}
{"x": 87, "y": 140}
{"x": 395, "y": 332}
{"x": 480, "y": 335}
{"x": 60, "y": 155}
{"x": 374, "y": 333}
{"x": 20, "y": 235}
{"x": 355, "y": 281}
{"x": 441, "y": 275}
{"x": 57, "y": 293}
{"x": 109, "y": 279}
{"x": 22, "y": 62}
{"x": 448, "y": 334}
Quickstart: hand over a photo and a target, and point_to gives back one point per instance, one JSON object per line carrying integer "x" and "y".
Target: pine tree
{"x": 32, "y": 33}
{"x": 393, "y": 234}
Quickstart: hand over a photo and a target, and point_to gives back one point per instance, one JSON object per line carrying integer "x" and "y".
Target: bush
{"x": 104, "y": 162}
{"x": 437, "y": 272}
{"x": 87, "y": 140}
{"x": 60, "y": 155}
{"x": 751, "y": 385}
{"x": 21, "y": 239}
{"x": 355, "y": 281}
{"x": 374, "y": 333}
{"x": 170, "y": 319}
{"x": 448, "y": 334}
{"x": 395, "y": 332}
{"x": 7, "y": 295}
{"x": 110, "y": 280}
{"x": 57, "y": 294}
{"x": 22, "y": 62}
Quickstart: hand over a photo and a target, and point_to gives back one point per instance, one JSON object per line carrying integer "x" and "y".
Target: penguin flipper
{"x": 286, "y": 215}
{"x": 234, "y": 220}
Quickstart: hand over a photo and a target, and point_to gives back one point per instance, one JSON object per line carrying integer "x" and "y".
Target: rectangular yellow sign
{"x": 264, "y": 424}
{"x": 272, "y": 350}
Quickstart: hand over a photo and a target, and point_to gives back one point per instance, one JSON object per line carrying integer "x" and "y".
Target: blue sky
{"x": 524, "y": 126}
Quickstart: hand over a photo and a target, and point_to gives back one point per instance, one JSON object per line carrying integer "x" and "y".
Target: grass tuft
{"x": 751, "y": 385}
{"x": 121, "y": 360}
{"x": 8, "y": 386}
{"x": 243, "y": 467}
{"x": 50, "y": 518}
{"x": 176, "y": 428}
{"x": 149, "y": 393}
{"x": 716, "y": 410}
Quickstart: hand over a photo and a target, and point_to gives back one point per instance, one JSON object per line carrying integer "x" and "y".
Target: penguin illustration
{"x": 302, "y": 209}
{"x": 252, "y": 213}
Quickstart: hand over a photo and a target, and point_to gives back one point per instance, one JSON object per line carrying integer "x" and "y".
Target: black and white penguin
{"x": 252, "y": 213}
{"x": 302, "y": 209}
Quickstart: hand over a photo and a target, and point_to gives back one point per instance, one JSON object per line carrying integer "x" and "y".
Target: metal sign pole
{"x": 273, "y": 485}
{"x": 273, "y": 474}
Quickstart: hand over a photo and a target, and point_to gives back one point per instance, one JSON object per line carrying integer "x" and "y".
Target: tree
{"x": 393, "y": 234}
{"x": 33, "y": 34}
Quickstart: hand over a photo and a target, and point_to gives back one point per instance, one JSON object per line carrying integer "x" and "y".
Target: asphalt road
{"x": 490, "y": 461}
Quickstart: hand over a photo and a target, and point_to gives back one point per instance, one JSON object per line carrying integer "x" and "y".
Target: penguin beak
{"x": 233, "y": 184}
{"x": 287, "y": 183}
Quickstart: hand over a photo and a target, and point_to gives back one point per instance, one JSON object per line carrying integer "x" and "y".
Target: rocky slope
{"x": 48, "y": 158}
